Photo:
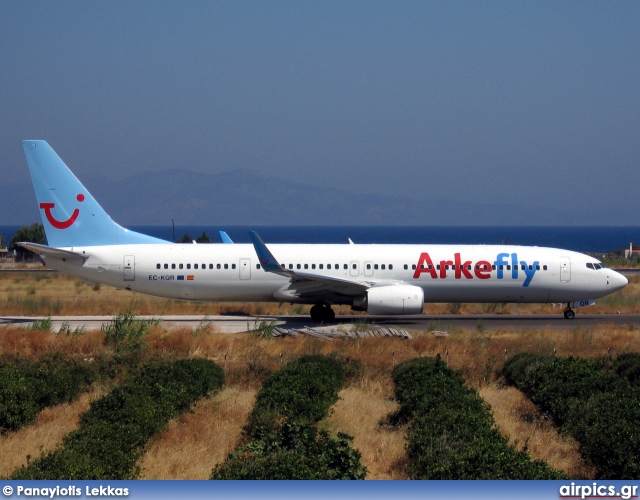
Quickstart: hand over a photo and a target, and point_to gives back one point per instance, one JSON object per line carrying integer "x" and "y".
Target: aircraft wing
{"x": 305, "y": 284}
{"x": 45, "y": 251}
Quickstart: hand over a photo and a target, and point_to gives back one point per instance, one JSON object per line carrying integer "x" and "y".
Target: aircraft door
{"x": 368, "y": 268}
{"x": 354, "y": 268}
{"x": 565, "y": 269}
{"x": 129, "y": 268}
{"x": 245, "y": 269}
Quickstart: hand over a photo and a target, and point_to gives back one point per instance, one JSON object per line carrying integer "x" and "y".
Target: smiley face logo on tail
{"x": 65, "y": 223}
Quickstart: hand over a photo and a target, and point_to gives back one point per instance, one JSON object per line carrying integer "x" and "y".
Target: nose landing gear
{"x": 569, "y": 313}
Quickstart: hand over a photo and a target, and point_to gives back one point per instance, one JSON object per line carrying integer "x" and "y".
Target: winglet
{"x": 225, "y": 237}
{"x": 267, "y": 260}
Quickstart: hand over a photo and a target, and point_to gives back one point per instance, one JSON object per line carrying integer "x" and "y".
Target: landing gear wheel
{"x": 321, "y": 313}
{"x": 569, "y": 314}
{"x": 316, "y": 312}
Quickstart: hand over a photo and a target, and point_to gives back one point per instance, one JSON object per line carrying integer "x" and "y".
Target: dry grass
{"x": 45, "y": 434}
{"x": 196, "y": 442}
{"x": 518, "y": 418}
{"x": 54, "y": 294}
{"x": 358, "y": 413}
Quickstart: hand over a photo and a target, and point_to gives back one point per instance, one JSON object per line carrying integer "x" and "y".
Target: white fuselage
{"x": 446, "y": 273}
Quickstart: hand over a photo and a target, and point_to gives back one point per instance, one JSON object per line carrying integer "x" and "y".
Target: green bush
{"x": 284, "y": 444}
{"x": 27, "y": 387}
{"x": 452, "y": 434}
{"x": 301, "y": 392}
{"x": 601, "y": 411}
{"x": 125, "y": 334}
{"x": 116, "y": 427}
{"x": 296, "y": 452}
{"x": 628, "y": 366}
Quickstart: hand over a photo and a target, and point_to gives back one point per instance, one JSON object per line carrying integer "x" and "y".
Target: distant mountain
{"x": 246, "y": 197}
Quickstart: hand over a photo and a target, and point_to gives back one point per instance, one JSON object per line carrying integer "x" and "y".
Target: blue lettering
{"x": 529, "y": 271}
{"x": 500, "y": 262}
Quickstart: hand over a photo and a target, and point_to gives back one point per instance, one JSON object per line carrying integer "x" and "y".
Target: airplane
{"x": 389, "y": 279}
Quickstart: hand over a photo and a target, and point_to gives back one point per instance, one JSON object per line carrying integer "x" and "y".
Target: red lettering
{"x": 483, "y": 270}
{"x": 425, "y": 265}
{"x": 462, "y": 268}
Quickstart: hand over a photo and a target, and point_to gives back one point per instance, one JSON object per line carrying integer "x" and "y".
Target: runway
{"x": 420, "y": 323}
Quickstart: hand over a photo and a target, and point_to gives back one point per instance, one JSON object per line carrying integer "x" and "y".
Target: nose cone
{"x": 616, "y": 281}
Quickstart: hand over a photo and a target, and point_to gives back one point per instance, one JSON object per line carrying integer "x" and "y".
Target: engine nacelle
{"x": 392, "y": 299}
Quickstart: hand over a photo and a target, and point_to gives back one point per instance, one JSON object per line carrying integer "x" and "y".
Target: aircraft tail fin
{"x": 70, "y": 215}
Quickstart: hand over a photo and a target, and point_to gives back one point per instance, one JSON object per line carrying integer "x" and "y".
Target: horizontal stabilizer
{"x": 45, "y": 251}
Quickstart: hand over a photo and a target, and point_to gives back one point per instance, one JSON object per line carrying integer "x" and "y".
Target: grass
{"x": 54, "y": 294}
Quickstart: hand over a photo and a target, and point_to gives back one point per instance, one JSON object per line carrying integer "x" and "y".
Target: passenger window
{"x": 210, "y": 266}
{"x": 382, "y": 267}
{"x": 537, "y": 268}
{"x": 337, "y": 266}
{"x": 523, "y": 267}
{"x": 173, "y": 266}
{"x": 509, "y": 267}
{"x": 313, "y": 266}
{"x": 226, "y": 266}
{"x": 188, "y": 266}
{"x": 166, "y": 266}
{"x": 375, "y": 266}
{"x": 390, "y": 267}
{"x": 320, "y": 266}
{"x": 219, "y": 266}
{"x": 298, "y": 266}
{"x": 346, "y": 266}
{"x": 328, "y": 266}
{"x": 406, "y": 267}
{"x": 257, "y": 266}
{"x": 354, "y": 266}
{"x": 158, "y": 266}
{"x": 493, "y": 267}
{"x": 544, "y": 268}
{"x": 180, "y": 266}
{"x": 233, "y": 266}
{"x": 413, "y": 266}
{"x": 195, "y": 266}
{"x": 290, "y": 266}
{"x": 306, "y": 266}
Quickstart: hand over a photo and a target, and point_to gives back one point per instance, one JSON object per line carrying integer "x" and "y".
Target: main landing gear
{"x": 322, "y": 312}
{"x": 568, "y": 313}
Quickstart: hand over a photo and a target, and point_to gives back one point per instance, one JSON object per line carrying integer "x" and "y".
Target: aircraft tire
{"x": 569, "y": 314}
{"x": 317, "y": 313}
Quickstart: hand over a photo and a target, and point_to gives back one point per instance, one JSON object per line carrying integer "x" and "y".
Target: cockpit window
{"x": 595, "y": 265}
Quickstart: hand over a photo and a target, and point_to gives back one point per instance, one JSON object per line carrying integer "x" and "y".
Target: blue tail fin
{"x": 71, "y": 216}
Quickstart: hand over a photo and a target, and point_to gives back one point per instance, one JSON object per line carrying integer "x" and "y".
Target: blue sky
{"x": 527, "y": 103}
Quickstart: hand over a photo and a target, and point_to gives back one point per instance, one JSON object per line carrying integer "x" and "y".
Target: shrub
{"x": 628, "y": 366}
{"x": 284, "y": 444}
{"x": 27, "y": 387}
{"x": 302, "y": 392}
{"x": 116, "y": 427}
{"x": 601, "y": 411}
{"x": 125, "y": 333}
{"x": 452, "y": 434}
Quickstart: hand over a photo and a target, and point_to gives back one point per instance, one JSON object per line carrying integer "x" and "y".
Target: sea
{"x": 578, "y": 238}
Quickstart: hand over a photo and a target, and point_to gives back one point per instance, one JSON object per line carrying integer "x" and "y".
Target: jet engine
{"x": 392, "y": 300}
